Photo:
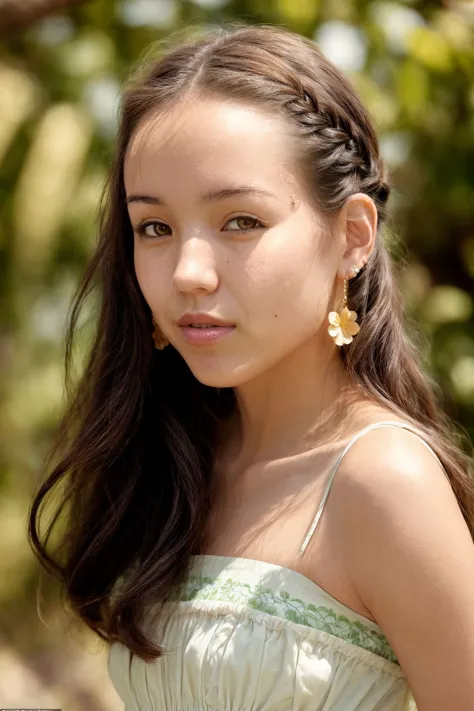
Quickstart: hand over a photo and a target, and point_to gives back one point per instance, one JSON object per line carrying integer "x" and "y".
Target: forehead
{"x": 209, "y": 139}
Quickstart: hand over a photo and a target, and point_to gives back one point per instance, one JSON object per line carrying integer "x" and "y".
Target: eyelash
{"x": 140, "y": 229}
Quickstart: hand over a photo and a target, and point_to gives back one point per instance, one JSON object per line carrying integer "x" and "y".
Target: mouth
{"x": 204, "y": 334}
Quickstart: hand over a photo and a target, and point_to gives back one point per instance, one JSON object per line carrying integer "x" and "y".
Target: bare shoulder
{"x": 410, "y": 556}
{"x": 390, "y": 478}
{"x": 392, "y": 452}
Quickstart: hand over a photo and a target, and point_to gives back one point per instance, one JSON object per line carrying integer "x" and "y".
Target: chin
{"x": 227, "y": 378}
{"x": 217, "y": 382}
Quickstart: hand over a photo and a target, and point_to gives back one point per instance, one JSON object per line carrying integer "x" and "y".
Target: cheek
{"x": 150, "y": 279}
{"x": 288, "y": 287}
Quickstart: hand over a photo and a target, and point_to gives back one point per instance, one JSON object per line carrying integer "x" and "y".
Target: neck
{"x": 302, "y": 402}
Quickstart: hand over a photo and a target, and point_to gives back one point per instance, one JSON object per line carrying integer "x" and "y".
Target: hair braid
{"x": 341, "y": 148}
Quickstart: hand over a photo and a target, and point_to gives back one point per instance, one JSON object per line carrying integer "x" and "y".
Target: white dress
{"x": 247, "y": 635}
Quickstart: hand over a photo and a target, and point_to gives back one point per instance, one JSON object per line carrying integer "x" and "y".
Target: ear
{"x": 357, "y": 224}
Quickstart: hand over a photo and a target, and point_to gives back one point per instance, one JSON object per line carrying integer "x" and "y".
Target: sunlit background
{"x": 61, "y": 67}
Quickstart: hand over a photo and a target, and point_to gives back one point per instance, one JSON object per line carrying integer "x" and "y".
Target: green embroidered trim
{"x": 258, "y": 597}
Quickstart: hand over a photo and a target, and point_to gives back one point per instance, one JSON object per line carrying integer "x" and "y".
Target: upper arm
{"x": 410, "y": 556}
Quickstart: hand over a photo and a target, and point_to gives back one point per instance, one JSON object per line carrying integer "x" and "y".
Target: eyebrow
{"x": 210, "y": 196}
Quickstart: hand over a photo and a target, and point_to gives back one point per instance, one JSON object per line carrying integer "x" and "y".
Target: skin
{"x": 392, "y": 543}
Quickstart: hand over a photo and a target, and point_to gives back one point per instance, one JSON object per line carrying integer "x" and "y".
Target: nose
{"x": 195, "y": 268}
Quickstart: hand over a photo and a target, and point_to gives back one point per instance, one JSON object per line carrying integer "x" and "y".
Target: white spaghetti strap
{"x": 386, "y": 423}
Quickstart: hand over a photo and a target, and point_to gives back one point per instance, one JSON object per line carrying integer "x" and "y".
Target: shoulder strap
{"x": 386, "y": 423}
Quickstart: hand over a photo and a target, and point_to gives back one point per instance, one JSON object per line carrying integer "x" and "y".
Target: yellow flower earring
{"x": 160, "y": 340}
{"x": 343, "y": 325}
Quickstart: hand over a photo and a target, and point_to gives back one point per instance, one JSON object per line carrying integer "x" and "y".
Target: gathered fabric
{"x": 247, "y": 635}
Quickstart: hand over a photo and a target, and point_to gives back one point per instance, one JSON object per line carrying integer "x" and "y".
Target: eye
{"x": 244, "y": 218}
{"x": 151, "y": 229}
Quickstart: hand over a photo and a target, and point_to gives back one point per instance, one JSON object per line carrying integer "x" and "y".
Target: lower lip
{"x": 201, "y": 336}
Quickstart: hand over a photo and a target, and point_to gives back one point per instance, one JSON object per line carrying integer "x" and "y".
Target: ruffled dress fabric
{"x": 246, "y": 635}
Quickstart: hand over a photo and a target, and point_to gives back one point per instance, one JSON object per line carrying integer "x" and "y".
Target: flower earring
{"x": 160, "y": 340}
{"x": 343, "y": 325}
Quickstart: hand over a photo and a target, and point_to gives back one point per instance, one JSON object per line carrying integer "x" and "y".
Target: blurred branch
{"x": 16, "y": 14}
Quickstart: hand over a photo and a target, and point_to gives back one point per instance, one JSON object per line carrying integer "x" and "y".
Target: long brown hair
{"x": 134, "y": 452}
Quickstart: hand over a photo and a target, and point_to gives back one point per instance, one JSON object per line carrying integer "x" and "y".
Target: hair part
{"x": 134, "y": 453}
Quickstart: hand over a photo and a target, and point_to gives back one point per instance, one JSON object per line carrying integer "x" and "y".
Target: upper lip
{"x": 201, "y": 318}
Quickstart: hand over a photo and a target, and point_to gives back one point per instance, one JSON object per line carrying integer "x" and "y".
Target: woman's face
{"x": 260, "y": 260}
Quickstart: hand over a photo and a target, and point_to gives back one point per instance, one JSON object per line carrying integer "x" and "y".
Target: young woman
{"x": 250, "y": 359}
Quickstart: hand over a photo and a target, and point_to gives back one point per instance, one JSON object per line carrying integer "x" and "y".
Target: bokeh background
{"x": 62, "y": 63}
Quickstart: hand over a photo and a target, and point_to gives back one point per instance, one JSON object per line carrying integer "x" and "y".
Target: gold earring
{"x": 160, "y": 340}
{"x": 343, "y": 325}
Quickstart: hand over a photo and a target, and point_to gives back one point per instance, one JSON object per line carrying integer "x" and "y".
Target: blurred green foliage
{"x": 413, "y": 64}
